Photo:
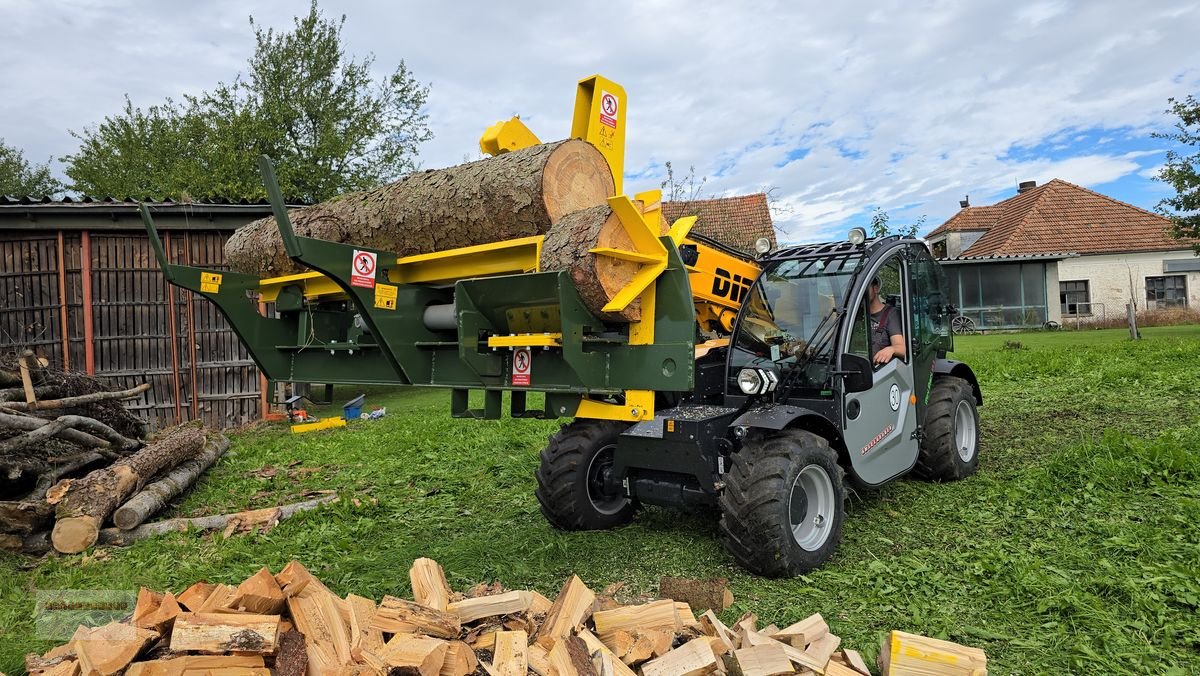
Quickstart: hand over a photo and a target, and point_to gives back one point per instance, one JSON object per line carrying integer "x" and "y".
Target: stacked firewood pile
{"x": 72, "y": 458}
{"x": 290, "y": 624}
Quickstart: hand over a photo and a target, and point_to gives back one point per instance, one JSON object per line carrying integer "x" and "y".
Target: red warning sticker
{"x": 522, "y": 366}
{"x": 362, "y": 269}
{"x": 608, "y": 109}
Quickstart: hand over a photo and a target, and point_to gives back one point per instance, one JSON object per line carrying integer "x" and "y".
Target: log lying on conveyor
{"x": 90, "y": 500}
{"x": 517, "y": 194}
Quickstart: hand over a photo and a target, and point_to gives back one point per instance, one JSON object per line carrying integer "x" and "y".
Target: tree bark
{"x": 155, "y": 496}
{"x": 90, "y": 500}
{"x": 25, "y": 517}
{"x": 517, "y": 194}
{"x": 244, "y": 520}
{"x": 80, "y": 400}
{"x": 597, "y": 278}
{"x": 28, "y": 423}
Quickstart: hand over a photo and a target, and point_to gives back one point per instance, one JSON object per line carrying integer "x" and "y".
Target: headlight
{"x": 749, "y": 381}
{"x": 857, "y": 236}
{"x": 762, "y": 245}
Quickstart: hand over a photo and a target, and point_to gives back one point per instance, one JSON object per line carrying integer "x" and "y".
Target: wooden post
{"x": 85, "y": 265}
{"x": 174, "y": 330}
{"x": 191, "y": 322}
{"x": 62, "y": 305}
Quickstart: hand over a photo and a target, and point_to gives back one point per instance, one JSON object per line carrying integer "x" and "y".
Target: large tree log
{"x": 154, "y": 497}
{"x": 90, "y": 500}
{"x": 516, "y": 194}
{"x": 598, "y": 278}
{"x": 240, "y": 521}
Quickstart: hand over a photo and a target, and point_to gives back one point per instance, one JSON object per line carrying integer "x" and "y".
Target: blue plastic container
{"x": 353, "y": 408}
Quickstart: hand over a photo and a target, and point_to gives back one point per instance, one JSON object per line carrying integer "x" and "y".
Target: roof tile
{"x": 734, "y": 221}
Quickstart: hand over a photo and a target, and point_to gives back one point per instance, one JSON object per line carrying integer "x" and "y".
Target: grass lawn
{"x": 1076, "y": 549}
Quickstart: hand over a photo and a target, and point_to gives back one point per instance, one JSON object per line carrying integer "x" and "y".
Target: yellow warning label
{"x": 670, "y": 425}
{"x": 210, "y": 282}
{"x": 385, "y": 296}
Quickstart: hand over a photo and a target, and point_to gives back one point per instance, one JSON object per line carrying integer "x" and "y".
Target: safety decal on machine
{"x": 385, "y": 296}
{"x": 210, "y": 282}
{"x": 522, "y": 366}
{"x": 362, "y": 269}
{"x": 608, "y": 109}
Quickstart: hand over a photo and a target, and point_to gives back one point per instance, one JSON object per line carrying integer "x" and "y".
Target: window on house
{"x": 1074, "y": 298}
{"x": 1167, "y": 291}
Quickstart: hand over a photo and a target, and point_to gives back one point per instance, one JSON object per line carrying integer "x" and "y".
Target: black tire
{"x": 567, "y": 486}
{"x": 758, "y": 512}
{"x": 950, "y": 447}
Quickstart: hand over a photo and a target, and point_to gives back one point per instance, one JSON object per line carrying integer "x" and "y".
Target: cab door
{"x": 879, "y": 424}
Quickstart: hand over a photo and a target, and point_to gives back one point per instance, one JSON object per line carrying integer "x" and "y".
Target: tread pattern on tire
{"x": 938, "y": 458}
{"x": 558, "y": 477}
{"x": 756, "y": 488}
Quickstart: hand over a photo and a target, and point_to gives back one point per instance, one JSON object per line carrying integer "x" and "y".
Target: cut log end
{"x": 575, "y": 177}
{"x": 74, "y": 534}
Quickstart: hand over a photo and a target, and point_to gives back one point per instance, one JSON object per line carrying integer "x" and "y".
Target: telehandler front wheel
{"x": 783, "y": 504}
{"x": 950, "y": 447}
{"x": 571, "y": 486}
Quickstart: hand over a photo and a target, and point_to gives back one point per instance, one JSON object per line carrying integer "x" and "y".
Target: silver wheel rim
{"x": 964, "y": 431}
{"x": 607, "y": 505}
{"x": 811, "y": 507}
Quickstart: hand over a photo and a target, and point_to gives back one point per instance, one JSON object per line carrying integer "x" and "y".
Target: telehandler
{"x": 745, "y": 384}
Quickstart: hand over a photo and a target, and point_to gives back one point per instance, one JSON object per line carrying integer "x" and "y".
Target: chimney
{"x": 964, "y": 202}
{"x": 1026, "y": 185}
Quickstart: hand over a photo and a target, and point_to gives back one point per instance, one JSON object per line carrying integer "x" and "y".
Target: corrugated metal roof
{"x": 998, "y": 258}
{"x": 32, "y": 200}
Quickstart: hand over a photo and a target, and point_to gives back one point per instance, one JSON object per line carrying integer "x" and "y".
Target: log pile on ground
{"x": 291, "y": 624}
{"x": 72, "y": 457}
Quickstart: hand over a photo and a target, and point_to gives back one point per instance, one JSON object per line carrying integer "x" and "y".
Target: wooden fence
{"x": 96, "y": 301}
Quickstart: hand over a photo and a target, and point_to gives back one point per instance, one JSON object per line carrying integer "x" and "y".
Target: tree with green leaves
{"x": 1182, "y": 172}
{"x": 20, "y": 178}
{"x": 881, "y": 225}
{"x": 327, "y": 123}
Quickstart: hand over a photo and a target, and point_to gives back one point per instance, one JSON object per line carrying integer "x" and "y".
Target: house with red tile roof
{"x": 1006, "y": 262}
{"x": 733, "y": 221}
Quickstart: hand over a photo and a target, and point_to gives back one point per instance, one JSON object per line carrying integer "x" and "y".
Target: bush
{"x": 1176, "y": 316}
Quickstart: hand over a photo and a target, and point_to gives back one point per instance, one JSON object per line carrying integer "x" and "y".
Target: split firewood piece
{"x": 708, "y": 594}
{"x": 429, "y": 584}
{"x": 291, "y": 658}
{"x": 746, "y": 623}
{"x": 155, "y": 496}
{"x": 653, "y": 615}
{"x": 109, "y": 649}
{"x": 511, "y": 655}
{"x": 62, "y": 667}
{"x": 803, "y": 632}
{"x": 155, "y": 611}
{"x": 539, "y": 660}
{"x": 822, "y": 649}
{"x": 761, "y": 660}
{"x": 856, "y": 662}
{"x": 694, "y": 658}
{"x": 219, "y": 600}
{"x": 57, "y": 665}
{"x": 838, "y": 669}
{"x": 362, "y": 636}
{"x": 570, "y": 657}
{"x": 595, "y": 645}
{"x": 194, "y": 665}
{"x": 317, "y": 613}
{"x": 541, "y": 605}
{"x": 904, "y": 654}
{"x": 711, "y": 625}
{"x": 216, "y": 633}
{"x": 753, "y": 638}
{"x": 686, "y": 618}
{"x": 398, "y": 616}
{"x": 470, "y": 610}
{"x": 412, "y": 654}
{"x": 568, "y": 613}
{"x": 460, "y": 660}
{"x": 90, "y": 500}
{"x": 259, "y": 593}
{"x": 294, "y": 578}
{"x": 194, "y": 596}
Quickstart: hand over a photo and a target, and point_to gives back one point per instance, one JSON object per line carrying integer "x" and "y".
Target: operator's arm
{"x": 896, "y": 350}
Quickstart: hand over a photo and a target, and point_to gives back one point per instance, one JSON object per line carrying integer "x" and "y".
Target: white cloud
{"x": 900, "y": 105}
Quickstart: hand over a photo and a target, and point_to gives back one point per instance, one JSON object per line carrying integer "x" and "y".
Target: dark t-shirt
{"x": 884, "y": 324}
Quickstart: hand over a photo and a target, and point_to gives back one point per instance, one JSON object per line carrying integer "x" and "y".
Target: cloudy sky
{"x": 836, "y": 108}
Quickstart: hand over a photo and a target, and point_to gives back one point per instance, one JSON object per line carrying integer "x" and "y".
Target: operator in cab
{"x": 887, "y": 329}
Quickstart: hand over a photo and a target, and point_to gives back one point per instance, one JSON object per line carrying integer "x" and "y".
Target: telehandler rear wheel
{"x": 950, "y": 447}
{"x": 783, "y": 504}
{"x": 571, "y": 478}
